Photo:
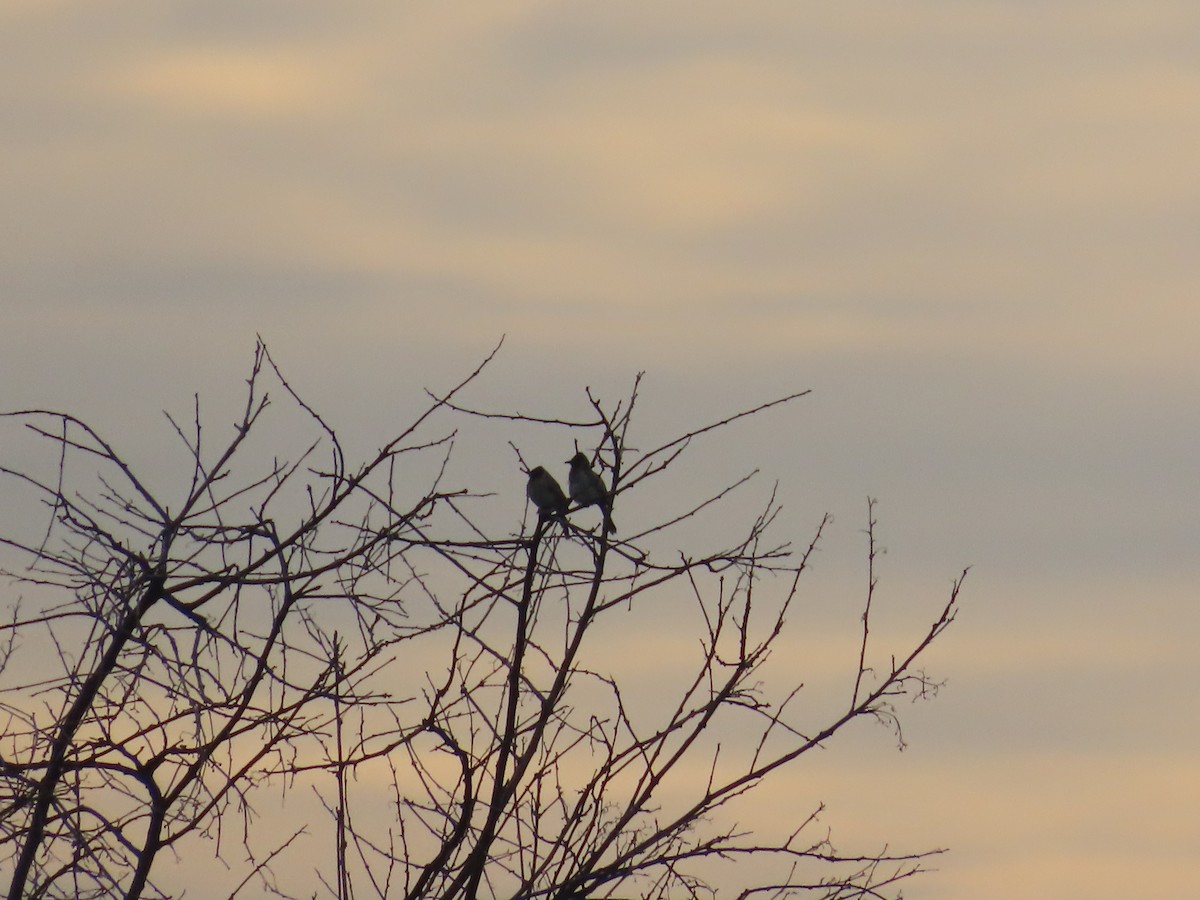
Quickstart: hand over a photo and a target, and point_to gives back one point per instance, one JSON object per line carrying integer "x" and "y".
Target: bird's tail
{"x": 609, "y": 525}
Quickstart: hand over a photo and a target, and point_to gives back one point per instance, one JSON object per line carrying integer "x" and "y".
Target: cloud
{"x": 238, "y": 83}
{"x": 723, "y": 172}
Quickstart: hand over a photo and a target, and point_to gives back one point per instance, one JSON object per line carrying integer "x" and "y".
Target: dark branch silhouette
{"x": 303, "y": 625}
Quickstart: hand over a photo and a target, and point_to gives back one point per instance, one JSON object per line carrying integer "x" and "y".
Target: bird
{"x": 588, "y": 488}
{"x": 546, "y": 493}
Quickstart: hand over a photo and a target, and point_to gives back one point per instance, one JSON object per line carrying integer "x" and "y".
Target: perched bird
{"x": 546, "y": 493}
{"x": 588, "y": 488}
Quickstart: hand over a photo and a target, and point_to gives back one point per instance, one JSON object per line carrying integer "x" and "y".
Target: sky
{"x": 963, "y": 226}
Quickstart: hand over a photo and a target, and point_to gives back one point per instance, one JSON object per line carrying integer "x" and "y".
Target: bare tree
{"x": 274, "y": 625}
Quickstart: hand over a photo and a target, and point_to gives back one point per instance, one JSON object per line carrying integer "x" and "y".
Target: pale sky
{"x": 970, "y": 228}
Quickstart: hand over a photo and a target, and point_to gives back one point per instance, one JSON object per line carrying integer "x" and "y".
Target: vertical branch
{"x": 153, "y": 840}
{"x": 866, "y": 616}
{"x": 343, "y": 873}
{"x": 502, "y": 788}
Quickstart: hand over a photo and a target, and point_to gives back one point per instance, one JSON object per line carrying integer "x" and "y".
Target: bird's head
{"x": 578, "y": 460}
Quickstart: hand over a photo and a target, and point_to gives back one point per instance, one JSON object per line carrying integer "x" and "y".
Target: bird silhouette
{"x": 545, "y": 493}
{"x": 587, "y": 488}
